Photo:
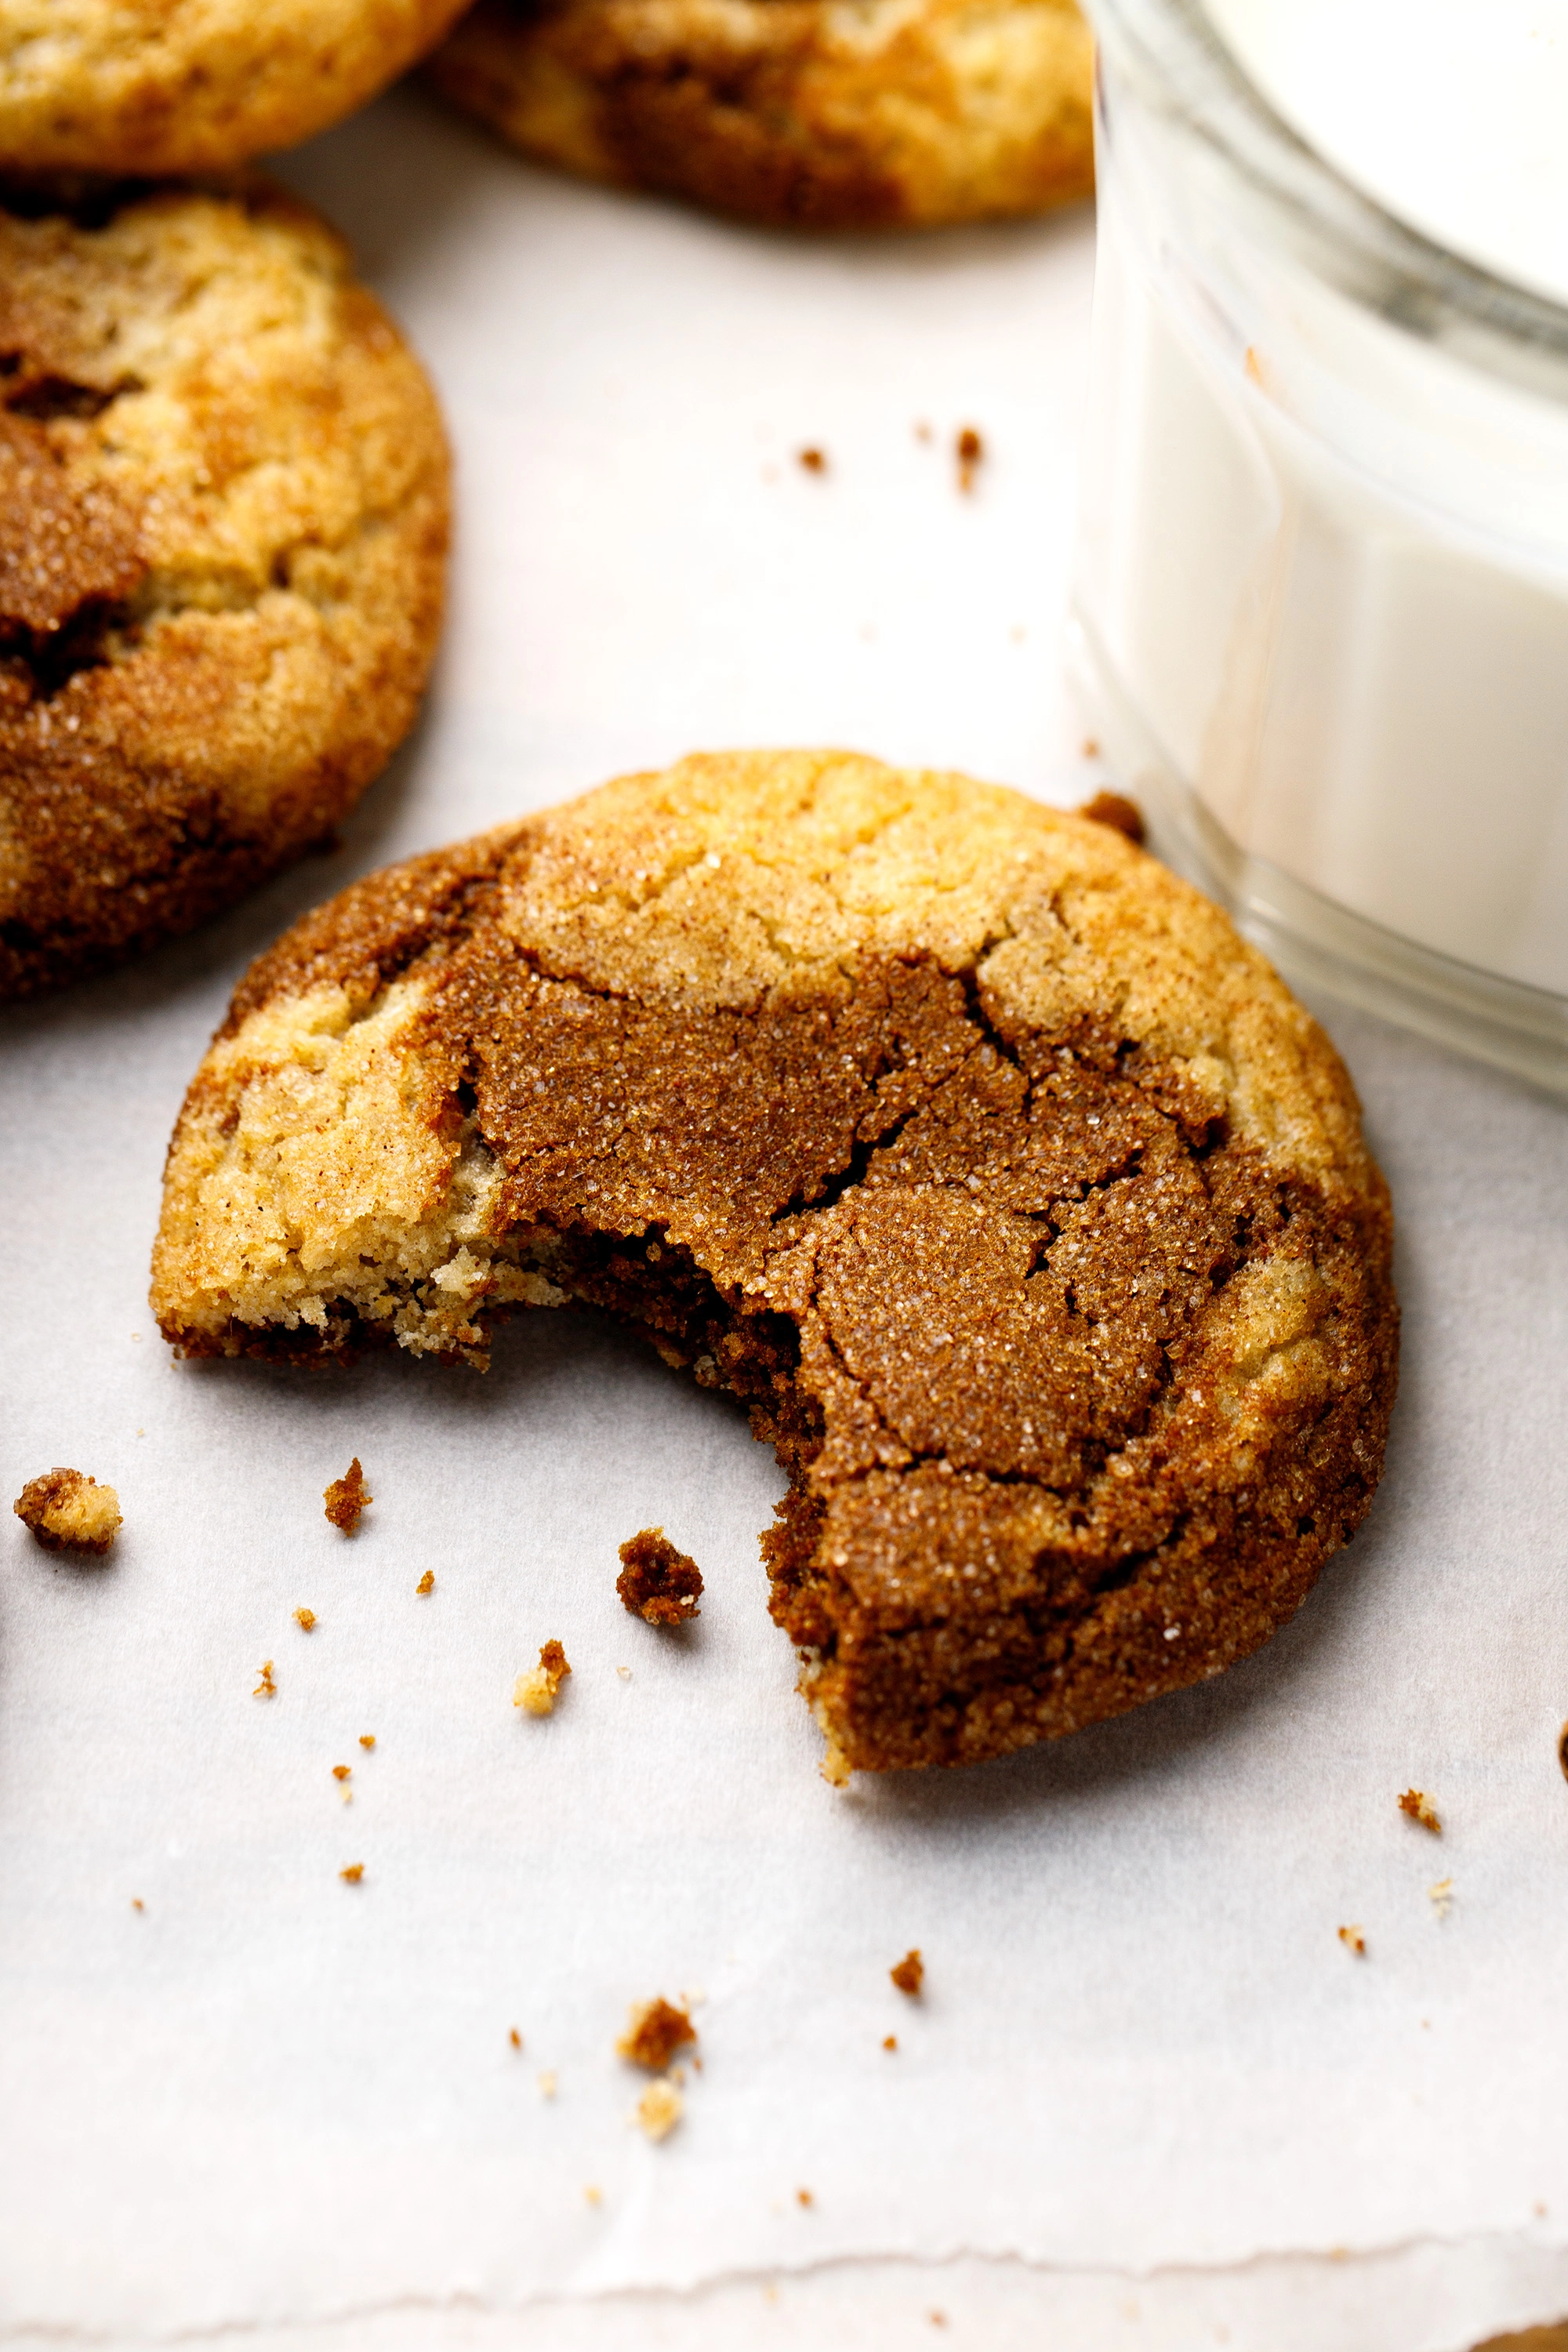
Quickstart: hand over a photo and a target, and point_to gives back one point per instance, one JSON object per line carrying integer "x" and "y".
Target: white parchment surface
{"x": 1149, "y": 2097}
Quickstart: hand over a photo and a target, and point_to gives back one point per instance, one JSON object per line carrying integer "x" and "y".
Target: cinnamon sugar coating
{"x": 1009, "y": 1190}
{"x": 223, "y": 522}
{"x": 801, "y": 113}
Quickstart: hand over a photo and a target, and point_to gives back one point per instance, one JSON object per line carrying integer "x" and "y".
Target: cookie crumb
{"x": 594, "y": 2196}
{"x": 923, "y": 432}
{"x": 367, "y": 1739}
{"x": 889, "y": 2040}
{"x": 1420, "y": 1808}
{"x": 659, "y": 2109}
{"x": 909, "y": 1974}
{"x": 624, "y": 1672}
{"x": 1562, "y": 1749}
{"x": 657, "y": 2030}
{"x": 304, "y": 1618}
{"x": 658, "y": 1583}
{"x": 137, "y": 1904}
{"x": 1114, "y": 809}
{"x": 342, "y": 1771}
{"x": 266, "y": 1687}
{"x": 536, "y": 1690}
{"x": 835, "y": 1766}
{"x": 427, "y": 1582}
{"x": 970, "y": 451}
{"x": 802, "y": 2197}
{"x": 1355, "y": 1941}
{"x": 352, "y": 1875}
{"x": 347, "y": 1497}
{"x": 937, "y": 2318}
{"x": 1441, "y": 1896}
{"x": 814, "y": 461}
{"x": 68, "y": 1511}
{"x": 547, "y": 2085}
{"x": 515, "y": 2038}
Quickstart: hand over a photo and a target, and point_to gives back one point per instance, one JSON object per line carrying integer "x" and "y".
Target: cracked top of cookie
{"x": 1056, "y": 1196}
{"x": 223, "y": 511}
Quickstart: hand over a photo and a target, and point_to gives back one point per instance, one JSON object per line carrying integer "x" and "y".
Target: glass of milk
{"x": 1320, "y": 615}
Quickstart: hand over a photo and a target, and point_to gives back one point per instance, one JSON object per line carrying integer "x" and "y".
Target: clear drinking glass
{"x": 1320, "y": 609}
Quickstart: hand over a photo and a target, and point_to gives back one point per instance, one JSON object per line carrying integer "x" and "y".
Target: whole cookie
{"x": 150, "y": 86}
{"x": 806, "y": 113}
{"x": 1009, "y": 1187}
{"x": 223, "y": 525}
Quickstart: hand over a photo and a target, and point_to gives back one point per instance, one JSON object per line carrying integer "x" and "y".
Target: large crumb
{"x": 69, "y": 1511}
{"x": 347, "y": 1496}
{"x": 658, "y": 1583}
{"x": 536, "y": 1690}
{"x": 657, "y": 2030}
{"x": 1420, "y": 1808}
{"x": 909, "y": 1974}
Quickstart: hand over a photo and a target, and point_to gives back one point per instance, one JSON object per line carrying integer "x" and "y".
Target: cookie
{"x": 1009, "y": 1189}
{"x": 801, "y": 113}
{"x": 223, "y": 526}
{"x": 149, "y": 86}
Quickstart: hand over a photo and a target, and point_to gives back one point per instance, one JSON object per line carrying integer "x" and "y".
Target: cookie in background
{"x": 223, "y": 528}
{"x": 149, "y": 86}
{"x": 797, "y": 114}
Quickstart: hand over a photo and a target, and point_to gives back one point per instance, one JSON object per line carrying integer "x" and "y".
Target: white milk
{"x": 1321, "y": 606}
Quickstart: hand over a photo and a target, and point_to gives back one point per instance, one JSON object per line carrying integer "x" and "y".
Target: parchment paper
{"x": 1149, "y": 2097}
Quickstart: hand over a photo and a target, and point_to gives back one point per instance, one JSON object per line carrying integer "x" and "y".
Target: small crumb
{"x": 352, "y": 1875}
{"x": 889, "y": 2040}
{"x": 1540, "y": 2210}
{"x": 266, "y": 1687}
{"x": 835, "y": 1766}
{"x": 1252, "y": 366}
{"x": 658, "y": 2110}
{"x": 1420, "y": 1808}
{"x": 1117, "y": 810}
{"x": 624, "y": 1672}
{"x": 970, "y": 451}
{"x": 594, "y": 2196}
{"x": 347, "y": 1497}
{"x": 547, "y": 2085}
{"x": 515, "y": 2038}
{"x": 1090, "y": 748}
{"x": 814, "y": 461}
{"x": 536, "y": 1690}
{"x": 770, "y": 2294}
{"x": 1562, "y": 1749}
{"x": 137, "y": 1904}
{"x": 367, "y": 1739}
{"x": 802, "y": 2197}
{"x": 658, "y": 1583}
{"x": 342, "y": 1771}
{"x": 1441, "y": 1896}
{"x": 427, "y": 1582}
{"x": 937, "y": 2318}
{"x": 657, "y": 2030}
{"x": 304, "y": 1618}
{"x": 909, "y": 1974}
{"x": 68, "y": 1511}
{"x": 1355, "y": 1941}
{"x": 923, "y": 432}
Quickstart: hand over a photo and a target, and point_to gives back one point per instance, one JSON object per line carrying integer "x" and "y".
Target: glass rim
{"x": 1177, "y": 62}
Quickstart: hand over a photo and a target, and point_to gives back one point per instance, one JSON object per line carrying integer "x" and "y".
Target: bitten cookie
{"x": 222, "y": 527}
{"x": 1011, "y": 1191}
{"x": 829, "y": 114}
{"x": 149, "y": 86}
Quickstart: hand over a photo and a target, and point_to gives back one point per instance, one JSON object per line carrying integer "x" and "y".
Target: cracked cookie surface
{"x": 149, "y": 86}
{"x": 223, "y": 524}
{"x": 1010, "y": 1191}
{"x": 828, "y": 114}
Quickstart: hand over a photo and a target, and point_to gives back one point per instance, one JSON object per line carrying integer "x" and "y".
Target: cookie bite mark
{"x": 1005, "y": 1187}
{"x": 69, "y": 1512}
